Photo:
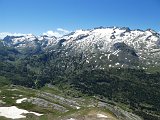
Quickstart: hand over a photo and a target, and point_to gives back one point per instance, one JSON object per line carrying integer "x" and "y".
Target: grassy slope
{"x": 10, "y": 92}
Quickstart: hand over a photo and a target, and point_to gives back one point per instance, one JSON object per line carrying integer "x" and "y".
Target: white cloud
{"x": 63, "y": 30}
{"x": 4, "y": 34}
{"x": 52, "y": 33}
{"x": 57, "y": 33}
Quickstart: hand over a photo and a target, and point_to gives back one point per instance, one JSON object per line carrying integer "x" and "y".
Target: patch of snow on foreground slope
{"x": 101, "y": 116}
{"x": 15, "y": 113}
{"x": 71, "y": 119}
{"x": 20, "y": 100}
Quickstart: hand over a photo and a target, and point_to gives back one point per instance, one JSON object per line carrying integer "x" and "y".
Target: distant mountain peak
{"x": 136, "y": 43}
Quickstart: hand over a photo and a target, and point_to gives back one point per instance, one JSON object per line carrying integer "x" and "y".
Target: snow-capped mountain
{"x": 104, "y": 38}
{"x": 122, "y": 44}
{"x": 29, "y": 43}
{"x": 113, "y": 46}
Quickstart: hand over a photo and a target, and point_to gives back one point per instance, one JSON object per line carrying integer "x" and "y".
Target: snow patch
{"x": 15, "y": 113}
{"x": 87, "y": 61}
{"x": 71, "y": 119}
{"x": 100, "y": 57}
{"x": 20, "y": 100}
{"x": 101, "y": 116}
{"x": 117, "y": 63}
{"x": 77, "y": 107}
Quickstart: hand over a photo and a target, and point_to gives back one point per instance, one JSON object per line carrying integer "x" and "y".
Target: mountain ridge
{"x": 145, "y": 45}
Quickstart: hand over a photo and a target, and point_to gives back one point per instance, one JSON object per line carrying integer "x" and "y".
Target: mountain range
{"x": 113, "y": 64}
{"x": 113, "y": 46}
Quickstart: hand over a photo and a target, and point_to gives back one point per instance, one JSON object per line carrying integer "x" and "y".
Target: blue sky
{"x": 39, "y": 16}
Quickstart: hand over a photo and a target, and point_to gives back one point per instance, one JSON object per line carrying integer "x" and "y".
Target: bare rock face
{"x": 46, "y": 104}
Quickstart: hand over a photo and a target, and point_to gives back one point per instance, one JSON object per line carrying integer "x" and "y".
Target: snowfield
{"x": 15, "y": 113}
{"x": 20, "y": 100}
